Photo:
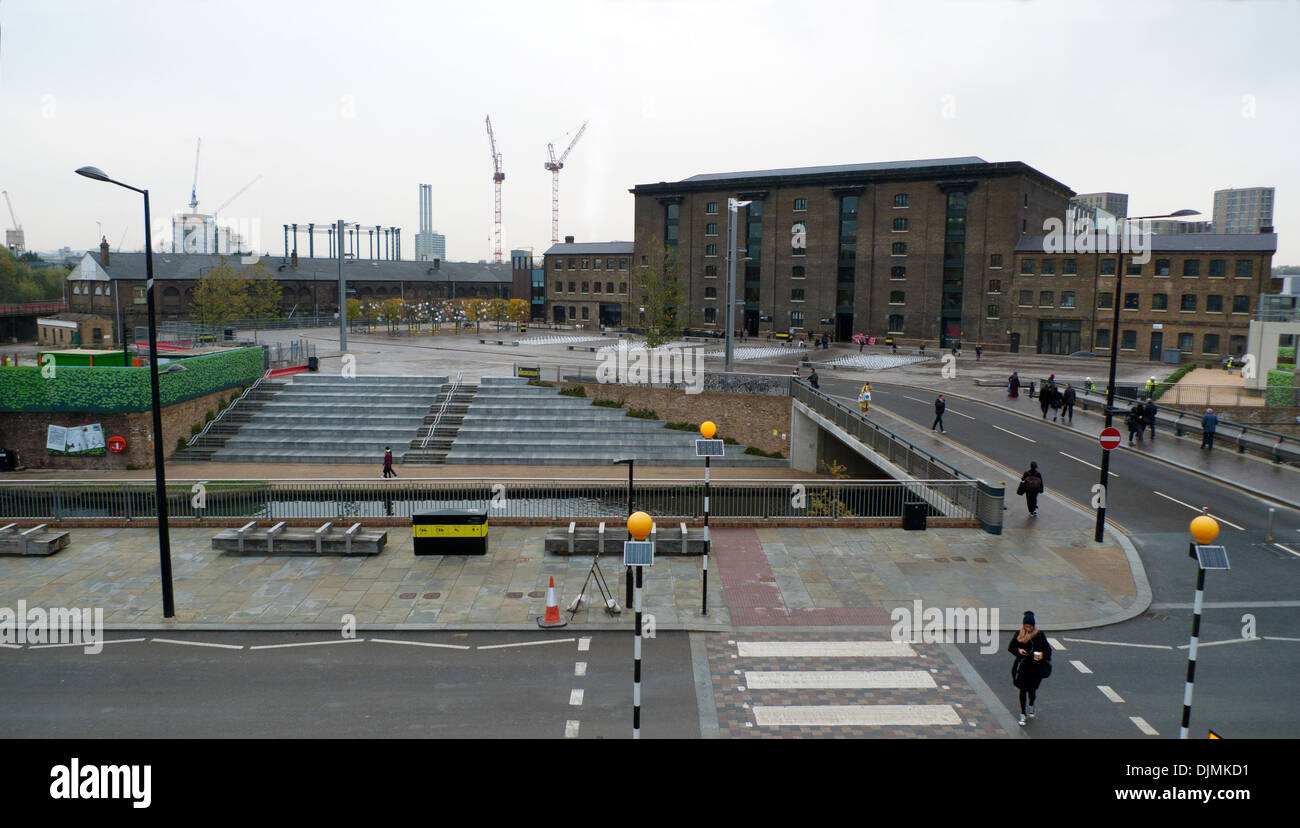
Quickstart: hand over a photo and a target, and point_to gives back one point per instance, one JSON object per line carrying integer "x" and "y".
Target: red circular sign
{"x": 117, "y": 445}
{"x": 1109, "y": 438}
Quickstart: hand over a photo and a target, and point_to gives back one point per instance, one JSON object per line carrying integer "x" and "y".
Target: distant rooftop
{"x": 877, "y": 166}
{"x": 1181, "y": 243}
{"x": 614, "y": 248}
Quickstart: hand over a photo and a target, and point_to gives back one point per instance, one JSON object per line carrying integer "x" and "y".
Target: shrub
{"x": 1286, "y": 354}
{"x": 573, "y": 391}
{"x": 195, "y": 429}
{"x": 606, "y": 403}
{"x": 180, "y": 443}
{"x": 1281, "y": 389}
{"x": 642, "y": 413}
{"x": 760, "y": 453}
{"x": 730, "y": 441}
{"x": 541, "y": 383}
{"x": 682, "y": 426}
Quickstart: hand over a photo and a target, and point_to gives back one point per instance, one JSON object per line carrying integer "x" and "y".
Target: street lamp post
{"x": 639, "y": 525}
{"x": 732, "y": 207}
{"x": 160, "y": 479}
{"x": 1114, "y": 353}
{"x": 628, "y": 575}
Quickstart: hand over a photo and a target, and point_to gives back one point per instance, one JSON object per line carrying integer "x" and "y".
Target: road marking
{"x": 862, "y": 715}
{"x": 1013, "y": 434}
{"x": 580, "y": 669}
{"x": 1200, "y": 644}
{"x": 1230, "y": 605}
{"x": 575, "y": 697}
{"x": 945, "y": 411}
{"x": 837, "y": 679}
{"x": 584, "y": 644}
{"x": 1056, "y": 645}
{"x": 1121, "y": 644}
{"x": 1143, "y": 726}
{"x": 1110, "y": 694}
{"x": 571, "y": 729}
{"x": 1081, "y": 667}
{"x": 86, "y": 643}
{"x": 12, "y": 646}
{"x": 1279, "y": 638}
{"x": 1198, "y": 509}
{"x": 306, "y": 643}
{"x": 1287, "y": 549}
{"x": 199, "y": 643}
{"x": 421, "y": 643}
{"x": 1086, "y": 463}
{"x": 825, "y": 649}
{"x": 525, "y": 644}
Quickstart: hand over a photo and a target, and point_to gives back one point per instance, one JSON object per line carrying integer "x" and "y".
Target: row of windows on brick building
{"x": 1218, "y": 268}
{"x": 587, "y": 287}
{"x": 592, "y": 264}
{"x": 1210, "y": 342}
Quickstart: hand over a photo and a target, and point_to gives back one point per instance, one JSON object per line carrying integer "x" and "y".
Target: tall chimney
{"x": 103, "y": 251}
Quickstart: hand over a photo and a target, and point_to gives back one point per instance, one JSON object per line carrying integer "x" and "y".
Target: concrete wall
{"x": 749, "y": 419}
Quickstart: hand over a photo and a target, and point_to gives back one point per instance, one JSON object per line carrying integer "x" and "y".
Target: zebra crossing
{"x": 832, "y": 685}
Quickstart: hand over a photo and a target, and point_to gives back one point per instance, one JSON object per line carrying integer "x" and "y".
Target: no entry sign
{"x": 1109, "y": 438}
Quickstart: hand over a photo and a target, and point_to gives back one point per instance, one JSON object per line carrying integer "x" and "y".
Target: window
{"x": 899, "y": 249}
{"x": 573, "y": 263}
{"x": 1049, "y": 267}
{"x": 1191, "y": 268}
{"x": 1236, "y": 344}
{"x": 796, "y": 295}
{"x": 711, "y": 229}
{"x": 797, "y": 272}
{"x": 710, "y": 293}
{"x": 1214, "y": 303}
{"x": 1241, "y": 304}
{"x": 1026, "y": 299}
{"x": 585, "y": 287}
{"x": 995, "y": 260}
{"x": 1070, "y": 267}
{"x": 573, "y": 288}
{"x": 586, "y": 312}
{"x": 597, "y": 265}
{"x": 1245, "y": 268}
{"x": 1189, "y": 302}
{"x": 1210, "y": 344}
{"x": 1046, "y": 299}
{"x": 1103, "y": 338}
{"x": 586, "y": 263}
{"x": 609, "y": 287}
{"x": 1162, "y": 267}
{"x": 559, "y": 264}
{"x": 895, "y": 323}
{"x": 710, "y": 250}
{"x": 1131, "y": 301}
{"x": 1218, "y": 268}
{"x": 1128, "y": 340}
{"x": 1185, "y": 343}
{"x": 711, "y": 208}
{"x": 596, "y": 287}
{"x": 108, "y": 289}
{"x": 710, "y": 316}
{"x": 898, "y": 272}
{"x": 1132, "y": 268}
{"x": 995, "y": 285}
{"x": 796, "y": 319}
{"x": 1107, "y": 267}
{"x": 609, "y": 264}
{"x": 645, "y": 260}
{"x": 900, "y": 225}
{"x": 800, "y": 204}
{"x": 897, "y": 297}
{"x": 1105, "y": 301}
{"x": 900, "y": 200}
{"x": 993, "y": 312}
{"x": 1026, "y": 267}
{"x": 1067, "y": 298}
{"x": 559, "y": 287}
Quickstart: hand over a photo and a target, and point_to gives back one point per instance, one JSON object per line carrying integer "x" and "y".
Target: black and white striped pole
{"x": 1204, "y": 529}
{"x": 708, "y": 447}
{"x": 638, "y": 554}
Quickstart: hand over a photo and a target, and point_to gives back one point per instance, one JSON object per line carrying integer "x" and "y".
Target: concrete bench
{"x": 590, "y": 348}
{"x": 285, "y": 540}
{"x": 496, "y": 342}
{"x": 38, "y": 541}
{"x": 590, "y": 540}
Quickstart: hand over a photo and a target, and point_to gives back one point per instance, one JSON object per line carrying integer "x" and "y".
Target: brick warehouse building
{"x": 902, "y": 248}
{"x": 113, "y": 285}
{"x": 1197, "y": 293}
{"x": 587, "y": 283}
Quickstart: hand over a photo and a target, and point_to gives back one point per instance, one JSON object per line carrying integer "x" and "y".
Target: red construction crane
{"x": 497, "y": 178}
{"x": 555, "y": 166}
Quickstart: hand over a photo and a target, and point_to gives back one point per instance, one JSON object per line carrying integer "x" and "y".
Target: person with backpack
{"x": 1135, "y": 422}
{"x": 1033, "y": 664}
{"x": 1067, "y": 403}
{"x": 388, "y": 464}
{"x": 1031, "y": 486}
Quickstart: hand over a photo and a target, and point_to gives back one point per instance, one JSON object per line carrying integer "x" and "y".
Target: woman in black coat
{"x": 1033, "y": 664}
{"x": 1031, "y": 486}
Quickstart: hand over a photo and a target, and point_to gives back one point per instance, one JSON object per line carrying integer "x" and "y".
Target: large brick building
{"x": 903, "y": 249}
{"x": 587, "y": 283}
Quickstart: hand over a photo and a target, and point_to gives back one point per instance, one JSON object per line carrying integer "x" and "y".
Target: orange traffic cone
{"x": 552, "y": 617}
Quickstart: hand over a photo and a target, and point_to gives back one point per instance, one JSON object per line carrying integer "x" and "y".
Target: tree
{"x": 659, "y": 294}
{"x": 519, "y": 311}
{"x": 262, "y": 296}
{"x": 498, "y": 310}
{"x": 475, "y": 310}
{"x": 391, "y": 312}
{"x": 218, "y": 296}
{"x": 354, "y": 310}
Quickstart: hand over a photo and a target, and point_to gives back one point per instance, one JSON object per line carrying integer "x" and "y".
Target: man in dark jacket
{"x": 939, "y": 406}
{"x": 813, "y": 379}
{"x": 1135, "y": 422}
{"x": 1067, "y": 404}
{"x": 1045, "y": 396}
{"x": 1149, "y": 416}
{"x": 1209, "y": 424}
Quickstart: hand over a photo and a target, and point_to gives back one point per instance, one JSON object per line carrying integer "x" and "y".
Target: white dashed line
{"x": 1056, "y": 645}
{"x": 11, "y": 646}
{"x": 1143, "y": 726}
{"x": 1279, "y": 638}
{"x": 86, "y": 643}
{"x": 837, "y": 679}
{"x": 306, "y": 644}
{"x": 525, "y": 644}
{"x": 1110, "y": 694}
{"x": 580, "y": 669}
{"x": 1121, "y": 644}
{"x": 824, "y": 649}
{"x": 1081, "y": 667}
{"x": 571, "y": 729}
{"x": 575, "y": 697}
{"x": 1216, "y": 643}
{"x": 1198, "y": 509}
{"x": 421, "y": 643}
{"x": 1013, "y": 434}
{"x": 869, "y": 715}
{"x": 1090, "y": 465}
{"x": 584, "y": 644}
{"x": 199, "y": 643}
{"x": 1287, "y": 549}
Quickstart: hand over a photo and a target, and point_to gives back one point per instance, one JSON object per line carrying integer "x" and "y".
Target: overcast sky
{"x": 344, "y": 108}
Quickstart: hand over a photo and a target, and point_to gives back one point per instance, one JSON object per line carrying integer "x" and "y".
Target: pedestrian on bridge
{"x": 864, "y": 397}
{"x": 1209, "y": 424}
{"x": 1136, "y": 422}
{"x": 1033, "y": 664}
{"x": 813, "y": 379}
{"x": 1149, "y": 411}
{"x": 939, "y": 406}
{"x": 1031, "y": 486}
{"x": 1067, "y": 404}
{"x": 1046, "y": 396}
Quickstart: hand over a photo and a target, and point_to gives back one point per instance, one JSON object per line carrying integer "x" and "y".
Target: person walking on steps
{"x": 1134, "y": 421}
{"x": 1033, "y": 664}
{"x": 1031, "y": 486}
{"x": 388, "y": 464}
{"x": 1209, "y": 424}
{"x": 939, "y": 406}
{"x": 1149, "y": 411}
{"x": 1067, "y": 403}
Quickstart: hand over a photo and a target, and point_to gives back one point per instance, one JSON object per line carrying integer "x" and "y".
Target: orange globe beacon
{"x": 708, "y": 430}
{"x": 1204, "y": 528}
{"x": 639, "y": 525}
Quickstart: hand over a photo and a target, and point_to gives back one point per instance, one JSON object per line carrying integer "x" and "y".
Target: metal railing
{"x": 213, "y": 424}
{"x": 551, "y": 500}
{"x": 446, "y": 400}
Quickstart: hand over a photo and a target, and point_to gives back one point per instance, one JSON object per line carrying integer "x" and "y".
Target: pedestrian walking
{"x": 813, "y": 379}
{"x": 1031, "y": 486}
{"x": 864, "y": 397}
{"x": 388, "y": 464}
{"x": 1045, "y": 396}
{"x": 979, "y": 351}
{"x": 862, "y": 343}
{"x": 1209, "y": 424}
{"x": 1013, "y": 385}
{"x": 939, "y": 406}
{"x": 895, "y": 344}
{"x": 1067, "y": 403}
{"x": 1149, "y": 412}
{"x": 922, "y": 347}
{"x": 1033, "y": 664}
{"x": 1135, "y": 422}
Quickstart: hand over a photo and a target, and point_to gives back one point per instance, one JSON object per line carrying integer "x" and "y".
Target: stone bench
{"x": 590, "y": 348}
{"x": 496, "y": 342}
{"x": 250, "y": 539}
{"x": 38, "y": 541}
{"x": 586, "y": 540}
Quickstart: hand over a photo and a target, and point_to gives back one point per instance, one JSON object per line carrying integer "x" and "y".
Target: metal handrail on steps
{"x": 250, "y": 389}
{"x": 442, "y": 409}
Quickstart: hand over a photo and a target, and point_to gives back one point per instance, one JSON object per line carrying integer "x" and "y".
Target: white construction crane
{"x": 555, "y": 166}
{"x": 12, "y": 217}
{"x": 14, "y": 239}
{"x": 194, "y": 188}
{"x": 242, "y": 190}
{"x": 497, "y": 178}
